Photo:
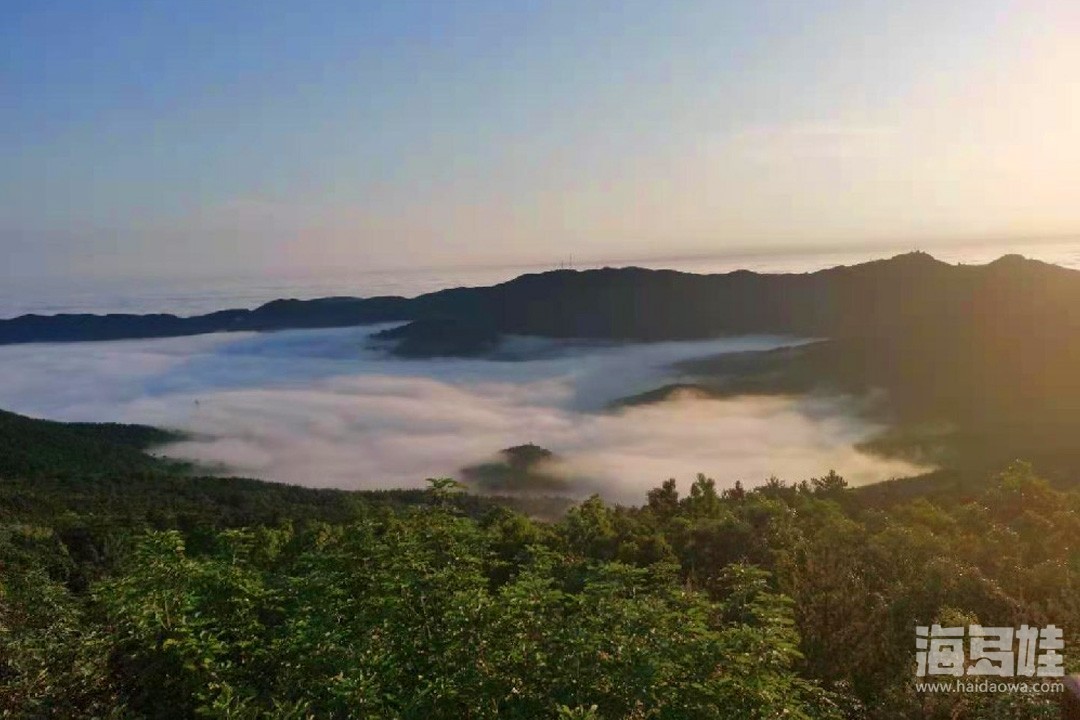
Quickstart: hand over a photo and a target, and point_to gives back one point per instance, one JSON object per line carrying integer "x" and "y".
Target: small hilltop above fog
{"x": 525, "y": 470}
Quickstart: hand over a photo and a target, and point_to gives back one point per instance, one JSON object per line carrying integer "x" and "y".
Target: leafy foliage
{"x": 411, "y": 615}
{"x": 146, "y": 595}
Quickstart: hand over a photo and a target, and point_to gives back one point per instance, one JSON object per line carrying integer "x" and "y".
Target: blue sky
{"x": 186, "y": 137}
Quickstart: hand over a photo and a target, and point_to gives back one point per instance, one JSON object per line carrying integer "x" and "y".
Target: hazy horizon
{"x": 188, "y": 294}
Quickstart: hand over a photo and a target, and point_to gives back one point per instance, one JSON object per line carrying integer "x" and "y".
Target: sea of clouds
{"x": 322, "y": 408}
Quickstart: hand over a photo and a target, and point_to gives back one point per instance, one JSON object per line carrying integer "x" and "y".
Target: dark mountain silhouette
{"x": 907, "y": 294}
{"x": 275, "y": 315}
{"x": 440, "y": 337}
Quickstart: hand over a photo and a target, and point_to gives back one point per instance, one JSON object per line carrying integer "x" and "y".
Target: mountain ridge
{"x": 628, "y": 303}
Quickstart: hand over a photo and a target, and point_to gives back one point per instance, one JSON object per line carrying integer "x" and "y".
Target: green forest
{"x": 130, "y": 588}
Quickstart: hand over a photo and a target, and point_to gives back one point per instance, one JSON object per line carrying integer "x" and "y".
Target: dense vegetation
{"x": 144, "y": 595}
{"x": 42, "y": 448}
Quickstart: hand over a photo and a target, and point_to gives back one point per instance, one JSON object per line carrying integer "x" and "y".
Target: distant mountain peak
{"x": 915, "y": 261}
{"x": 1012, "y": 259}
{"x": 915, "y": 257}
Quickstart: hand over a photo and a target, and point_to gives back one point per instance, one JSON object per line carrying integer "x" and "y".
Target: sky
{"x": 143, "y": 137}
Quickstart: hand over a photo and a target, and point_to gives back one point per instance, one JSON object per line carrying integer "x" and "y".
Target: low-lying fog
{"x": 319, "y": 408}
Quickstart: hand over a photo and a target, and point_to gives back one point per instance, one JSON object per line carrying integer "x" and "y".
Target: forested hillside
{"x": 41, "y": 448}
{"x": 889, "y": 298}
{"x": 160, "y": 596}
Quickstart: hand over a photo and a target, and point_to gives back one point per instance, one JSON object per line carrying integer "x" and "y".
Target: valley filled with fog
{"x": 322, "y": 408}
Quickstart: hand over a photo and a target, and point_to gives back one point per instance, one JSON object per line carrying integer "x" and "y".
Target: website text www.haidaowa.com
{"x": 990, "y": 686}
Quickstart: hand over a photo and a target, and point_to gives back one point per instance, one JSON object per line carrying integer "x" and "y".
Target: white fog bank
{"x": 318, "y": 408}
